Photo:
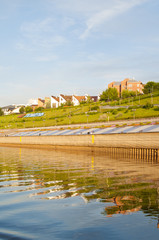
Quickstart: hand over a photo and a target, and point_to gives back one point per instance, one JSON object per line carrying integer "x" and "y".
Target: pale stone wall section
{"x": 135, "y": 140}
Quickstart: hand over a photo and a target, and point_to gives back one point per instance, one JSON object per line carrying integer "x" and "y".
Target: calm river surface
{"x": 47, "y": 194}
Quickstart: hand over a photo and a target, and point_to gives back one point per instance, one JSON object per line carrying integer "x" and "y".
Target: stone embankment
{"x": 131, "y": 140}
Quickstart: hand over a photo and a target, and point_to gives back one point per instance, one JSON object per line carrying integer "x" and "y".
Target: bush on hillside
{"x": 1, "y": 112}
{"x": 22, "y": 110}
{"x": 28, "y": 109}
{"x": 39, "y": 109}
{"x": 147, "y": 105}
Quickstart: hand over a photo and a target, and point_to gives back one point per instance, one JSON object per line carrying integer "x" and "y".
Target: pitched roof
{"x": 80, "y": 98}
{"x": 9, "y": 107}
{"x": 56, "y": 98}
{"x": 66, "y": 97}
{"x": 43, "y": 101}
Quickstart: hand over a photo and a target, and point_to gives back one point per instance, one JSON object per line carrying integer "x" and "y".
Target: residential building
{"x": 41, "y": 103}
{"x": 73, "y": 99}
{"x": 36, "y": 103}
{"x": 47, "y": 102}
{"x": 54, "y": 102}
{"x": 76, "y": 100}
{"x": 116, "y": 85}
{"x": 92, "y": 98}
{"x": 63, "y": 99}
{"x": 8, "y": 109}
{"x": 127, "y": 84}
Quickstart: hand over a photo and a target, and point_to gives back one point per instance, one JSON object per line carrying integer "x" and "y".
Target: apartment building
{"x": 127, "y": 84}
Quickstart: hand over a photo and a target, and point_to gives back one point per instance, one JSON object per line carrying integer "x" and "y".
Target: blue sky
{"x": 48, "y": 47}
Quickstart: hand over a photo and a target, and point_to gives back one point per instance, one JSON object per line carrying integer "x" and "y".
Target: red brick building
{"x": 127, "y": 84}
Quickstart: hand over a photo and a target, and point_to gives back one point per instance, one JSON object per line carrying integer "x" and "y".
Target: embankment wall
{"x": 135, "y": 140}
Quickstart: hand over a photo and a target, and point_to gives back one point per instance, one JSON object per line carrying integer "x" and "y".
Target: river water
{"x": 47, "y": 194}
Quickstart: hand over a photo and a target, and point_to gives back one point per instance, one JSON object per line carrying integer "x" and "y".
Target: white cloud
{"x": 107, "y": 14}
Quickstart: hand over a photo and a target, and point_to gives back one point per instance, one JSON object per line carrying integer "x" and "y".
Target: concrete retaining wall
{"x": 135, "y": 140}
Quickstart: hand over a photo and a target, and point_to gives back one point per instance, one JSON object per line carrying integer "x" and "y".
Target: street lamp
{"x": 87, "y": 116}
{"x": 55, "y": 121}
{"x": 108, "y": 116}
{"x": 134, "y": 113}
{"x": 44, "y": 122}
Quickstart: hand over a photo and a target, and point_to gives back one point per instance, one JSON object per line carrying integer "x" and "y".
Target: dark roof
{"x": 9, "y": 107}
{"x": 94, "y": 98}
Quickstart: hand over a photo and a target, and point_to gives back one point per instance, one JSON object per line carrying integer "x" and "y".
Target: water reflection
{"x": 122, "y": 184}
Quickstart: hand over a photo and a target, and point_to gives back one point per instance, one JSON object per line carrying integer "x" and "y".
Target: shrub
{"x": 156, "y": 108}
{"x": 94, "y": 108}
{"x": 1, "y": 112}
{"x": 147, "y": 105}
{"x": 39, "y": 109}
{"x": 114, "y": 112}
{"x": 22, "y": 110}
{"x": 28, "y": 109}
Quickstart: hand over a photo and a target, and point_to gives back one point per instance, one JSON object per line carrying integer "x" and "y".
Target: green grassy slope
{"x": 89, "y": 112}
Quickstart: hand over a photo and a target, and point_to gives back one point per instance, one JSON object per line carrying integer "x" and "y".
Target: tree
{"x": 1, "y": 112}
{"x": 22, "y": 110}
{"x": 28, "y": 109}
{"x": 109, "y": 94}
{"x": 68, "y": 103}
{"x": 48, "y": 104}
{"x": 89, "y": 100}
{"x": 127, "y": 93}
{"x": 151, "y": 87}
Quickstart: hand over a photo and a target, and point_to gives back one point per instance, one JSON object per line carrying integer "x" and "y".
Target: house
{"x": 41, "y": 103}
{"x": 63, "y": 99}
{"x": 70, "y": 99}
{"x": 127, "y": 84}
{"x": 8, "y": 109}
{"x": 17, "y": 109}
{"x": 36, "y": 103}
{"x": 91, "y": 98}
{"x": 76, "y": 100}
{"x": 54, "y": 102}
{"x": 47, "y": 102}
{"x": 33, "y": 103}
{"x": 94, "y": 98}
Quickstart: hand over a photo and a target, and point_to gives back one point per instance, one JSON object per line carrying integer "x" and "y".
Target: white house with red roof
{"x": 76, "y": 100}
{"x": 55, "y": 102}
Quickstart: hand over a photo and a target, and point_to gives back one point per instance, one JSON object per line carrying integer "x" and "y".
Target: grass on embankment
{"x": 90, "y": 112}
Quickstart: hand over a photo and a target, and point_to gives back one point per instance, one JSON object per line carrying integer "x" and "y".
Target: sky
{"x": 52, "y": 47}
